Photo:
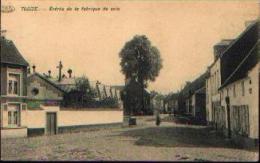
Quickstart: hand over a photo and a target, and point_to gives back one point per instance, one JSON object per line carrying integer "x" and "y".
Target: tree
{"x": 86, "y": 93}
{"x": 140, "y": 61}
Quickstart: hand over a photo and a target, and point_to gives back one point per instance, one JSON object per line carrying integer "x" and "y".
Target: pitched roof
{"x": 234, "y": 44}
{"x": 194, "y": 85}
{"x": 238, "y": 50}
{"x": 246, "y": 64}
{"x": 10, "y": 54}
{"x": 47, "y": 80}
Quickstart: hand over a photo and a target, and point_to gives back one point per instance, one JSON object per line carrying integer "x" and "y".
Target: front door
{"x": 51, "y": 123}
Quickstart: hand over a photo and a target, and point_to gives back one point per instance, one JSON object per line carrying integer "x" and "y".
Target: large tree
{"x": 140, "y": 61}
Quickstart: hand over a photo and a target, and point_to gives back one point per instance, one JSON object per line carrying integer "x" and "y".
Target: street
{"x": 146, "y": 141}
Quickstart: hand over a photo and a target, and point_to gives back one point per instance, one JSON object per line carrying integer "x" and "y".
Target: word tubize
{"x": 31, "y": 8}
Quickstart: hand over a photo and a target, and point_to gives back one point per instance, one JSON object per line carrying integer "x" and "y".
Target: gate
{"x": 51, "y": 125}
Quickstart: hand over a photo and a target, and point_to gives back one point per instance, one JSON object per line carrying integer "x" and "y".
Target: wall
{"x": 250, "y": 99}
{"x": 3, "y": 85}
{"x": 13, "y": 133}
{"x": 46, "y": 91}
{"x": 72, "y": 117}
{"x": 212, "y": 94}
{"x": 193, "y": 105}
{"x": 65, "y": 118}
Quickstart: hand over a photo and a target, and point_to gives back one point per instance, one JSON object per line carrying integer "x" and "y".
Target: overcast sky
{"x": 89, "y": 42}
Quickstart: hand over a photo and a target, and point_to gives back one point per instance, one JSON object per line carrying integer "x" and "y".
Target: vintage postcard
{"x": 130, "y": 80}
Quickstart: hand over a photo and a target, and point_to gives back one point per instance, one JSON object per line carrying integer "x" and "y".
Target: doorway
{"x": 51, "y": 125}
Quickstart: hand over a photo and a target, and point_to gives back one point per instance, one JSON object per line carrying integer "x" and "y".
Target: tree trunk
{"x": 142, "y": 94}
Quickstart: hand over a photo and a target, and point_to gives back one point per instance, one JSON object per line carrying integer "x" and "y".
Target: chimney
{"x": 220, "y": 47}
{"x": 34, "y": 67}
{"x": 69, "y": 72}
{"x": 49, "y": 73}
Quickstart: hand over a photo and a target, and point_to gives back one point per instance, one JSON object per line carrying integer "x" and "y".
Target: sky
{"x": 89, "y": 42}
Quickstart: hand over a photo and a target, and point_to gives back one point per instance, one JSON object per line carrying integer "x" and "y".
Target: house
{"x": 235, "y": 62}
{"x": 213, "y": 81}
{"x": 194, "y": 97}
{"x": 30, "y": 103}
{"x": 100, "y": 93}
{"x": 174, "y": 104}
{"x": 227, "y": 55}
{"x": 240, "y": 100}
{"x": 171, "y": 102}
{"x": 42, "y": 90}
{"x": 13, "y": 90}
{"x": 157, "y": 103}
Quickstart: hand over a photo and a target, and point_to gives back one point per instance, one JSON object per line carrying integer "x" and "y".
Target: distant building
{"x": 171, "y": 103}
{"x": 195, "y": 98}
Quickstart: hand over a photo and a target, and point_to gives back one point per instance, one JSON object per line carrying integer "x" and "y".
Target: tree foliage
{"x": 140, "y": 60}
{"x": 84, "y": 89}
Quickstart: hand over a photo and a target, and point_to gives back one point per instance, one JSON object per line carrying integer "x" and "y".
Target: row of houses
{"x": 227, "y": 94}
{"x": 31, "y": 102}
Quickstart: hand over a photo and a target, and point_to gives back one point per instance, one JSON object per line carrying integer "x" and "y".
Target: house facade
{"x": 195, "y": 98}
{"x": 13, "y": 90}
{"x": 230, "y": 77}
{"x": 213, "y": 81}
{"x": 171, "y": 103}
{"x": 43, "y": 90}
{"x": 240, "y": 100}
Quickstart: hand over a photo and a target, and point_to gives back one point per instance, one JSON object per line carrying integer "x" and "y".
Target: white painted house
{"x": 232, "y": 87}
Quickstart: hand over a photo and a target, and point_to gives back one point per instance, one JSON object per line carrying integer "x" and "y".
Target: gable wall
{"x": 46, "y": 91}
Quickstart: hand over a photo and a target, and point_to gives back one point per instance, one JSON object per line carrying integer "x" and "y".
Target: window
{"x": 35, "y": 91}
{"x": 227, "y": 91}
{"x": 10, "y": 87}
{"x": 13, "y": 115}
{"x": 14, "y": 84}
{"x": 234, "y": 90}
{"x": 9, "y": 117}
{"x": 15, "y": 87}
{"x": 243, "y": 88}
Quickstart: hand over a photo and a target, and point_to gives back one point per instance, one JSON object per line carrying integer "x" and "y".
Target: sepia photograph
{"x": 130, "y": 80}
